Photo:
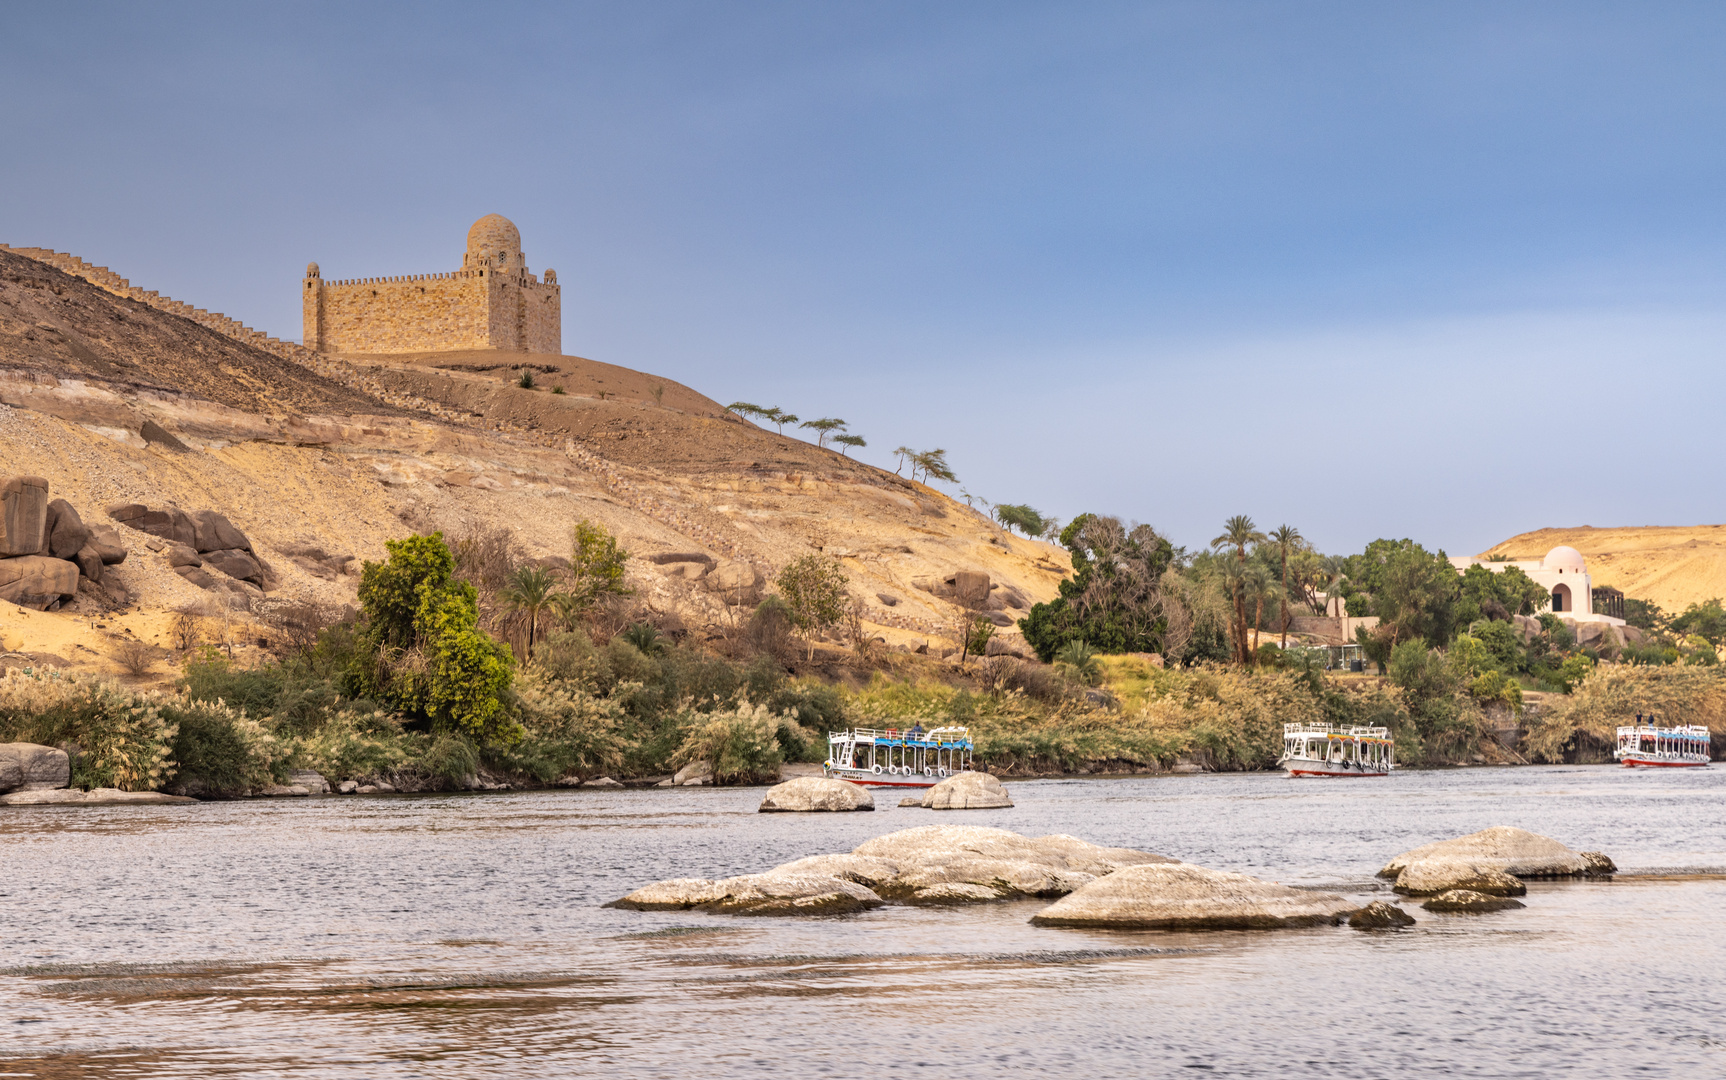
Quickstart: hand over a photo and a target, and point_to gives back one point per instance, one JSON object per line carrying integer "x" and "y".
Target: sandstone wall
{"x": 466, "y": 309}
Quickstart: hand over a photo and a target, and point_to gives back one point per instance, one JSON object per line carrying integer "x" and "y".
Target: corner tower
{"x": 492, "y": 302}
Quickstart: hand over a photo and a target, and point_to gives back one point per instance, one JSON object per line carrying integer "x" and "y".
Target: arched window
{"x": 1561, "y": 599}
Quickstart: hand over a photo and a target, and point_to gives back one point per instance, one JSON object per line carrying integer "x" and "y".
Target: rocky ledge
{"x": 934, "y": 864}
{"x": 1490, "y": 861}
{"x": 1469, "y": 902}
{"x": 1181, "y": 896}
{"x": 967, "y": 791}
{"x": 93, "y": 797}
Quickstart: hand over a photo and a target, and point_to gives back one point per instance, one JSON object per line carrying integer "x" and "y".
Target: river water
{"x": 462, "y": 936}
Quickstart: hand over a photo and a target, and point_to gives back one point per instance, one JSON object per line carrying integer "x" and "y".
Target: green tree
{"x": 1021, "y": 517}
{"x": 423, "y": 653}
{"x": 813, "y": 588}
{"x": 1645, "y": 615}
{"x": 1413, "y": 591}
{"x": 933, "y": 465}
{"x": 1078, "y": 662}
{"x": 1238, "y": 532}
{"x": 530, "y": 590}
{"x": 783, "y": 418}
{"x": 977, "y": 637}
{"x": 904, "y": 454}
{"x": 1706, "y": 620}
{"x": 848, "y": 441}
{"x": 749, "y": 408}
{"x": 1115, "y": 600}
{"x": 1484, "y": 594}
{"x": 824, "y": 427}
{"x": 596, "y": 569}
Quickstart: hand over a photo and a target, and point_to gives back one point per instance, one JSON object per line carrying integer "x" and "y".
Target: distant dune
{"x": 1672, "y": 565}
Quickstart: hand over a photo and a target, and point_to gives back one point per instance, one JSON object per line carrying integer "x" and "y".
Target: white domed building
{"x": 1564, "y": 574}
{"x": 492, "y": 302}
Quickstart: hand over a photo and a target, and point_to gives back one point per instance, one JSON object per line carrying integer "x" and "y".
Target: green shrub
{"x": 565, "y": 730}
{"x": 219, "y": 750}
{"x": 354, "y": 743}
{"x": 116, "y": 737}
{"x": 743, "y": 745}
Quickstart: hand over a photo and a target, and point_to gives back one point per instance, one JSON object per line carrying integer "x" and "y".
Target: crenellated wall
{"x": 493, "y": 302}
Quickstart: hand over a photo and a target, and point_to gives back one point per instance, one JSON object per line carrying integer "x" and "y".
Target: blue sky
{"x": 1444, "y": 271}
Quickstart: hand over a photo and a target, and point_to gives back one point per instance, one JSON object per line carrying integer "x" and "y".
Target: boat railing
{"x": 1334, "y": 730}
{"x": 941, "y": 736}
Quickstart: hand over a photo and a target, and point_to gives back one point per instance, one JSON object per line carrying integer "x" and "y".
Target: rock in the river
{"x": 348, "y": 787}
{"x": 1467, "y": 901}
{"x": 64, "y": 532}
{"x": 1380, "y": 915}
{"x": 693, "y": 774}
{"x": 36, "y": 581}
{"x": 1431, "y": 878}
{"x": 911, "y": 800}
{"x": 93, "y": 797}
{"x": 310, "y": 779}
{"x": 934, "y": 864}
{"x": 1180, "y": 896}
{"x": 772, "y": 893}
{"x": 1468, "y": 862}
{"x": 602, "y": 782}
{"x": 1598, "y": 864}
{"x": 808, "y": 794}
{"x": 967, "y": 791}
{"x": 30, "y": 767}
{"x": 23, "y": 515}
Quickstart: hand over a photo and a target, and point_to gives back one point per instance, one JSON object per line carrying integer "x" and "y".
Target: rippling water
{"x": 461, "y": 936}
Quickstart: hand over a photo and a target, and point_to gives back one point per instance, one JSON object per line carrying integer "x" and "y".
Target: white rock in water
{"x": 1431, "y": 876}
{"x": 93, "y": 797}
{"x": 1469, "y": 902}
{"x": 692, "y": 774}
{"x": 1181, "y": 896}
{"x": 808, "y": 794}
{"x": 602, "y": 782}
{"x": 967, "y": 791}
{"x": 945, "y": 864}
{"x": 1514, "y": 851}
{"x": 772, "y": 893}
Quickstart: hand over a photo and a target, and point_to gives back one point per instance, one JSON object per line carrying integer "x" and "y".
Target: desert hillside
{"x": 1672, "y": 565}
{"x": 114, "y": 400}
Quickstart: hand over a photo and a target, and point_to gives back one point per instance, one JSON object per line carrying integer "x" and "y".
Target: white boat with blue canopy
{"x": 912, "y": 757}
{"x": 1337, "y": 750}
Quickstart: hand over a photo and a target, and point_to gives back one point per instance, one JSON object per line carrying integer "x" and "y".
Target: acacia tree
{"x": 1022, "y": 517}
{"x": 1285, "y": 537}
{"x": 933, "y": 463}
{"x": 904, "y": 454}
{"x": 1238, "y": 532}
{"x": 746, "y": 408}
{"x": 824, "y": 427}
{"x": 848, "y": 441}
{"x": 813, "y": 588}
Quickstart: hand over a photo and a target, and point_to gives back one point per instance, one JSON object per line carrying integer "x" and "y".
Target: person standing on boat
{"x": 916, "y": 731}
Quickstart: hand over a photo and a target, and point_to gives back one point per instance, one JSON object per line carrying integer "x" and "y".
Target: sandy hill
{"x": 332, "y": 456}
{"x": 1672, "y": 565}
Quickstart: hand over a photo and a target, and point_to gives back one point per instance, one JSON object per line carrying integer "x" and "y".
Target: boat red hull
{"x": 1634, "y": 763}
{"x": 1333, "y": 775}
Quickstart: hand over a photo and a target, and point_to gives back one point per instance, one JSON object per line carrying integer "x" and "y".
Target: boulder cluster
{"x": 1492, "y": 862}
{"x": 45, "y": 547}
{"x": 197, "y": 543}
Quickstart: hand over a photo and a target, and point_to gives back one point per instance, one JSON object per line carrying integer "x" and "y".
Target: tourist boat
{"x": 1329, "y": 750}
{"x": 897, "y": 757}
{"x": 1646, "y": 744}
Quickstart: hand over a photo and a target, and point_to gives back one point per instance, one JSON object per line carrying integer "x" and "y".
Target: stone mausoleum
{"x": 1564, "y": 574}
{"x": 492, "y": 302}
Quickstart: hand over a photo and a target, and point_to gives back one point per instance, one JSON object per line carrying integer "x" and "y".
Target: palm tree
{"x": 1238, "y": 532}
{"x": 1285, "y": 537}
{"x": 531, "y": 589}
{"x": 1258, "y": 584}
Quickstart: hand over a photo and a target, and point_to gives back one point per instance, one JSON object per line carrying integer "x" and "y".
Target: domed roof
{"x": 1567, "y": 559}
{"x": 493, "y": 241}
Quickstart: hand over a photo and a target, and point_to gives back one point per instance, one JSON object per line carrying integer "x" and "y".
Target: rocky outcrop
{"x": 736, "y": 583}
{"x": 967, "y": 791}
{"x": 1487, "y": 861}
{"x": 1470, "y": 902}
{"x": 1380, "y": 915}
{"x": 93, "y": 797}
{"x": 1598, "y": 864}
{"x": 815, "y": 794}
{"x": 198, "y": 543}
{"x": 1180, "y": 896}
{"x": 694, "y": 774}
{"x": 935, "y": 864}
{"x": 23, "y": 515}
{"x": 29, "y": 767}
{"x": 64, "y": 533}
{"x": 37, "y": 581}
